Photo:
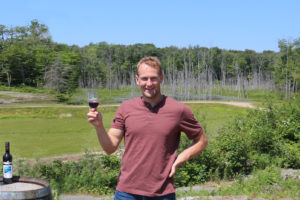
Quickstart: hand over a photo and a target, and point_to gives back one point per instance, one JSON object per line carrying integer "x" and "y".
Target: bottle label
{"x": 7, "y": 170}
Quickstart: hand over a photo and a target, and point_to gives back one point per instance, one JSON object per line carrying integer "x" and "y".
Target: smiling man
{"x": 149, "y": 77}
{"x": 151, "y": 127}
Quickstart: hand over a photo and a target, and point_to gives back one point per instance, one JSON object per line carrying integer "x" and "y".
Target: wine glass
{"x": 93, "y": 99}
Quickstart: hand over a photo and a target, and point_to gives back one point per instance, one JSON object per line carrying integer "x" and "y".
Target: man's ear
{"x": 137, "y": 79}
{"x": 162, "y": 78}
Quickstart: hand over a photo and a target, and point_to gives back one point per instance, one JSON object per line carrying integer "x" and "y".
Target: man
{"x": 151, "y": 126}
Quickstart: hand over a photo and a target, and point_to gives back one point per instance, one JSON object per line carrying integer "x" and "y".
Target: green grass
{"x": 37, "y": 132}
{"x": 214, "y": 116}
{"x": 42, "y": 132}
{"x": 5, "y": 97}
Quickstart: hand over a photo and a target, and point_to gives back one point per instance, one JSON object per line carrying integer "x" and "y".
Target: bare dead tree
{"x": 238, "y": 78}
{"x": 286, "y": 72}
{"x": 185, "y": 73}
{"x": 223, "y": 75}
{"x": 109, "y": 73}
{"x": 261, "y": 62}
{"x": 132, "y": 81}
{"x": 54, "y": 76}
{"x": 6, "y": 71}
{"x": 198, "y": 75}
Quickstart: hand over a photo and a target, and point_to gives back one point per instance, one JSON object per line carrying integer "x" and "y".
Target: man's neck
{"x": 155, "y": 101}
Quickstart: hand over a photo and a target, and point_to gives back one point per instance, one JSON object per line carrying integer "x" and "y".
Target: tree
{"x": 55, "y": 76}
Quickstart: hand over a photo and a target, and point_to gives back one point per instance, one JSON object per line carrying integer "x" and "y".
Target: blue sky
{"x": 227, "y": 24}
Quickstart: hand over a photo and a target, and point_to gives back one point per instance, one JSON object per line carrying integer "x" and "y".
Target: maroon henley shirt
{"x": 152, "y": 137}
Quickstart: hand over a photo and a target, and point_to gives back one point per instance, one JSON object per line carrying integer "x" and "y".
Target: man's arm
{"x": 109, "y": 140}
{"x": 193, "y": 150}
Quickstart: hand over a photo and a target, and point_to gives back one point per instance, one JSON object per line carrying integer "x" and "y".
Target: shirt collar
{"x": 157, "y": 106}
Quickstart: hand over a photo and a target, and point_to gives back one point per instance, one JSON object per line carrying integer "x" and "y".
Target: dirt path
{"x": 63, "y": 158}
{"x": 70, "y": 157}
{"x": 232, "y": 103}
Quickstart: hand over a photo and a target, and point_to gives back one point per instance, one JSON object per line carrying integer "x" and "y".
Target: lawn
{"x": 38, "y": 132}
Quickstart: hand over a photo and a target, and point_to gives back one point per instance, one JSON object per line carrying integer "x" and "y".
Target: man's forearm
{"x": 104, "y": 140}
{"x": 192, "y": 151}
{"x": 109, "y": 140}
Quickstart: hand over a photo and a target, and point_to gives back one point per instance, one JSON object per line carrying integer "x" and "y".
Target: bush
{"x": 267, "y": 183}
{"x": 62, "y": 98}
{"x": 92, "y": 174}
{"x": 264, "y": 137}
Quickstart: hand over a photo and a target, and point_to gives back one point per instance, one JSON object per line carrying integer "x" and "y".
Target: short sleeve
{"x": 189, "y": 125}
{"x": 118, "y": 121}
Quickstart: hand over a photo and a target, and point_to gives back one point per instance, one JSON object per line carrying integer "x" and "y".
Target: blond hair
{"x": 151, "y": 61}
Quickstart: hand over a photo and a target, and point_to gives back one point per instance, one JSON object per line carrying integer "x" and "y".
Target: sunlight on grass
{"x": 49, "y": 131}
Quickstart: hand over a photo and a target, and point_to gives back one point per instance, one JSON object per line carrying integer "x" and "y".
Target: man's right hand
{"x": 95, "y": 118}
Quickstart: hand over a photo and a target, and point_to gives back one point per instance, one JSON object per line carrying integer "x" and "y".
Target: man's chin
{"x": 149, "y": 96}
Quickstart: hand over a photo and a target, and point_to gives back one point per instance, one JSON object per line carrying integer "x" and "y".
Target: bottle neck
{"x": 7, "y": 149}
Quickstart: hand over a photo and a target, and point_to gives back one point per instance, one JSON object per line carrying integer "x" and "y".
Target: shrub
{"x": 267, "y": 183}
{"x": 264, "y": 137}
{"x": 92, "y": 174}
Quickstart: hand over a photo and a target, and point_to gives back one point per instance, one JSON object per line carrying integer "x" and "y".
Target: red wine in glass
{"x": 93, "y": 99}
{"x": 93, "y": 104}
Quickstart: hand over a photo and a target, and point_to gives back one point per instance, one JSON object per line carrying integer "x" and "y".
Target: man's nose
{"x": 149, "y": 82}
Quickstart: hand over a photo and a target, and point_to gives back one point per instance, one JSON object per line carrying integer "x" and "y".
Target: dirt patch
{"x": 63, "y": 158}
{"x": 70, "y": 157}
{"x": 7, "y": 97}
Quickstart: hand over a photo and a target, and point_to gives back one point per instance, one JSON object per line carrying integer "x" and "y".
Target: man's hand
{"x": 173, "y": 170}
{"x": 95, "y": 118}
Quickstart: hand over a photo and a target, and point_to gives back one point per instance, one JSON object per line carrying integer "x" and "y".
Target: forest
{"x": 29, "y": 57}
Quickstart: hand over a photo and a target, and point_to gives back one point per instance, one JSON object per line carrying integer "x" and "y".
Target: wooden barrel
{"x": 25, "y": 188}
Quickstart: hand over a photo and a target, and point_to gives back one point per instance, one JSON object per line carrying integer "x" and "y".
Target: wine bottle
{"x": 7, "y": 165}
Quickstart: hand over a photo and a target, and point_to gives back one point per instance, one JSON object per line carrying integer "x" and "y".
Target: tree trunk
{"x": 286, "y": 73}
{"x": 294, "y": 82}
{"x": 8, "y": 75}
{"x": 22, "y": 72}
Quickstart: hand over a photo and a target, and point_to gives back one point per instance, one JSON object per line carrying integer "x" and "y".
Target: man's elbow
{"x": 109, "y": 151}
{"x": 205, "y": 141}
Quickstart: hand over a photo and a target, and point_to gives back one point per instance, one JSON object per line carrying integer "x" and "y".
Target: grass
{"x": 214, "y": 116}
{"x": 37, "y": 132}
{"x": 5, "y": 97}
{"x": 42, "y": 132}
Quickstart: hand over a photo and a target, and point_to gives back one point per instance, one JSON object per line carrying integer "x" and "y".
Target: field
{"x": 44, "y": 129}
{"x": 37, "y": 131}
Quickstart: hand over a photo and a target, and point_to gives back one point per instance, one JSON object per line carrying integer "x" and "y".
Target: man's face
{"x": 149, "y": 80}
